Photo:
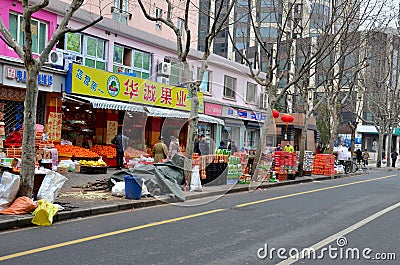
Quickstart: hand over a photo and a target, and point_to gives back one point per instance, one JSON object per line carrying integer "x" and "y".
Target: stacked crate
{"x": 308, "y": 162}
{"x": 324, "y": 164}
{"x": 284, "y": 162}
{"x": 14, "y": 152}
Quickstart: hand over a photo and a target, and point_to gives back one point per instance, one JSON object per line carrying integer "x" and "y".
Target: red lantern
{"x": 275, "y": 113}
{"x": 287, "y": 118}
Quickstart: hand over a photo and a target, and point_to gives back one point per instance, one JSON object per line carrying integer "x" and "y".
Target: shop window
{"x": 251, "y": 92}
{"x": 128, "y": 60}
{"x": 229, "y": 87}
{"x": 38, "y": 28}
{"x": 205, "y": 85}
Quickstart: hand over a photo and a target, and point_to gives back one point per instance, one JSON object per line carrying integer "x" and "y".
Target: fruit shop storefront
{"x": 98, "y": 103}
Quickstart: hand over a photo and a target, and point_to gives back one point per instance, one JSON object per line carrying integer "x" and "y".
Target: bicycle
{"x": 350, "y": 166}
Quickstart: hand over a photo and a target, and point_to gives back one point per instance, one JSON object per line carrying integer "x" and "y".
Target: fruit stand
{"x": 93, "y": 167}
{"x": 107, "y": 152}
{"x": 285, "y": 165}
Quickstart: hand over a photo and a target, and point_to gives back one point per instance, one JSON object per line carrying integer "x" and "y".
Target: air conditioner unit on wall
{"x": 163, "y": 80}
{"x": 164, "y": 68}
{"x": 56, "y": 58}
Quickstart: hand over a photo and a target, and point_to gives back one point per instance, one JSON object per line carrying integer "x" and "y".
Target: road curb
{"x": 24, "y": 221}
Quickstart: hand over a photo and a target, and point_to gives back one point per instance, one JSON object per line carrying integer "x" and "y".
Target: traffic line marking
{"x": 85, "y": 239}
{"x": 342, "y": 233}
{"x": 310, "y": 191}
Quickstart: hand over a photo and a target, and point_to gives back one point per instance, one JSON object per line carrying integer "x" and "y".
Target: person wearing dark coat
{"x": 121, "y": 142}
{"x": 359, "y": 156}
{"x": 196, "y": 148}
{"x": 394, "y": 158}
{"x": 222, "y": 145}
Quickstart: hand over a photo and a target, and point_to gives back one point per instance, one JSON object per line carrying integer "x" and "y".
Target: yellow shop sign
{"x": 98, "y": 83}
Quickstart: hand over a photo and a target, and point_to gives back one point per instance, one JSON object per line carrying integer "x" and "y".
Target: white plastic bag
{"x": 145, "y": 191}
{"x": 195, "y": 183}
{"x": 340, "y": 169}
{"x": 118, "y": 189}
{"x": 51, "y": 185}
{"x": 9, "y": 187}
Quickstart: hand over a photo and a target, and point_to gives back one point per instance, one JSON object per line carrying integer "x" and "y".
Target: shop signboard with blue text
{"x": 88, "y": 81}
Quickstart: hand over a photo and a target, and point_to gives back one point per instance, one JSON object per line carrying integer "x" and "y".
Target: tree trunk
{"x": 261, "y": 144}
{"x": 380, "y": 146}
{"x": 303, "y": 143}
{"x": 193, "y": 121}
{"x": 389, "y": 148}
{"x": 28, "y": 140}
{"x": 334, "y": 128}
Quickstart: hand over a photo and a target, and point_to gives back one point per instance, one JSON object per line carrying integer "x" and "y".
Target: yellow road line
{"x": 310, "y": 191}
{"x": 85, "y": 239}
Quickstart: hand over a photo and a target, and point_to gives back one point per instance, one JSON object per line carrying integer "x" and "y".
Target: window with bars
{"x": 39, "y": 31}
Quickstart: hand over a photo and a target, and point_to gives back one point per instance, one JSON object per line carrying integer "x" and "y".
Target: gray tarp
{"x": 162, "y": 179}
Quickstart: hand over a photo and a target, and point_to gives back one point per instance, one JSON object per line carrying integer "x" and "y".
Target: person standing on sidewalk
{"x": 121, "y": 142}
{"x": 365, "y": 158}
{"x": 394, "y": 158}
{"x": 174, "y": 147}
{"x": 288, "y": 148}
{"x": 160, "y": 150}
{"x": 359, "y": 156}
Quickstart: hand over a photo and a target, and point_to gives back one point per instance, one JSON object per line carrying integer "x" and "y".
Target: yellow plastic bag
{"x": 44, "y": 213}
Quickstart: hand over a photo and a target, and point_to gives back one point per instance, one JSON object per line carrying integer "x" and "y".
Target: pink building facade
{"x": 140, "y": 48}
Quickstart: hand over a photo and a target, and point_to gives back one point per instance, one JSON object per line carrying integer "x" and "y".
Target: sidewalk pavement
{"x": 81, "y": 203}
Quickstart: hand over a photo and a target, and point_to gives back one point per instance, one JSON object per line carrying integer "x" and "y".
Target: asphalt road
{"x": 259, "y": 227}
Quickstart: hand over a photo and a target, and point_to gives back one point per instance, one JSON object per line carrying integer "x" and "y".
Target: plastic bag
{"x": 51, "y": 185}
{"x": 21, "y": 205}
{"x": 145, "y": 191}
{"x": 9, "y": 187}
{"x": 118, "y": 189}
{"x": 340, "y": 169}
{"x": 44, "y": 213}
{"x": 195, "y": 183}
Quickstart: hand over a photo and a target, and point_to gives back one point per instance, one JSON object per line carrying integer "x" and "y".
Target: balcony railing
{"x": 120, "y": 15}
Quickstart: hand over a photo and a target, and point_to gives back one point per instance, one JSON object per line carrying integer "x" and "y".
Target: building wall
{"x": 7, "y": 6}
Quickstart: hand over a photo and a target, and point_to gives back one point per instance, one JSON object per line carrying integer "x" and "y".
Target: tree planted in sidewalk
{"x": 33, "y": 64}
{"x": 183, "y": 42}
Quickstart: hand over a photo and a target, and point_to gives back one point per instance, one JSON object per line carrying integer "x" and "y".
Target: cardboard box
{"x": 77, "y": 168}
{"x": 62, "y": 170}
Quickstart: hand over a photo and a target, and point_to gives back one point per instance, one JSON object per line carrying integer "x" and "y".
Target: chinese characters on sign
{"x": 112, "y": 129}
{"x": 54, "y": 125}
{"x": 20, "y": 76}
{"x": 99, "y": 83}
